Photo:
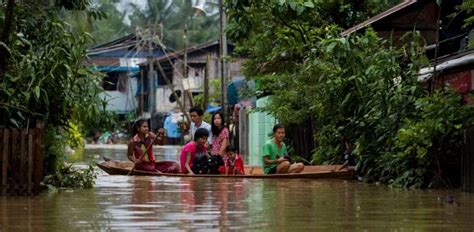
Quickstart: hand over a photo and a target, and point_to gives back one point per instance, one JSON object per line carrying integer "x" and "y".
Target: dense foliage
{"x": 359, "y": 88}
{"x": 42, "y": 79}
{"x": 278, "y": 33}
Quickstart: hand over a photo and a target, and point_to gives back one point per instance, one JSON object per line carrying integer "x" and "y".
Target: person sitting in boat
{"x": 349, "y": 158}
{"x": 140, "y": 150}
{"x": 194, "y": 152}
{"x": 275, "y": 153}
{"x": 234, "y": 164}
{"x": 219, "y": 142}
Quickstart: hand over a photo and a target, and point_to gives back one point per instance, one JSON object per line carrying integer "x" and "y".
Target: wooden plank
{"x": 468, "y": 161}
{"x": 465, "y": 150}
{"x": 6, "y": 135}
{"x": 23, "y": 161}
{"x": 38, "y": 157}
{"x": 14, "y": 166}
{"x": 30, "y": 162}
{"x": 3, "y": 210}
{"x": 465, "y": 161}
{"x": 1, "y": 160}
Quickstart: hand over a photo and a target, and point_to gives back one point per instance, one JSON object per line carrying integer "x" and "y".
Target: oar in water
{"x": 141, "y": 157}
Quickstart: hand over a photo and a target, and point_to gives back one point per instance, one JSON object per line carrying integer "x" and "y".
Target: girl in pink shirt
{"x": 220, "y": 135}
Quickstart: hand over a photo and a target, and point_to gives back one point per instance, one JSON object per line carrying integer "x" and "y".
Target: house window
{"x": 115, "y": 81}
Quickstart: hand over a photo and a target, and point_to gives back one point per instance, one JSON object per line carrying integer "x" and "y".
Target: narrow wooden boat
{"x": 309, "y": 172}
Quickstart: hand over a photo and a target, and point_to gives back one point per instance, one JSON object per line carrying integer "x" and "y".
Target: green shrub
{"x": 71, "y": 177}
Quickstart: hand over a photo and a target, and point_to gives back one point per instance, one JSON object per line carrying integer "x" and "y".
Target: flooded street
{"x": 185, "y": 204}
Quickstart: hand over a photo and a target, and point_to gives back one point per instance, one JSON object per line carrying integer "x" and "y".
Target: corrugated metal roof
{"x": 180, "y": 53}
{"x": 378, "y": 17}
{"x": 192, "y": 49}
{"x": 455, "y": 61}
{"x": 115, "y": 69}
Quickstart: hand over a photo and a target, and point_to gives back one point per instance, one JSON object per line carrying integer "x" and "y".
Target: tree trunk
{"x": 4, "y": 37}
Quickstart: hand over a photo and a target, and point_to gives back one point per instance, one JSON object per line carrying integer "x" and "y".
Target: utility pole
{"x": 185, "y": 67}
{"x": 206, "y": 83}
{"x": 185, "y": 63}
{"x": 151, "y": 82}
{"x": 223, "y": 58}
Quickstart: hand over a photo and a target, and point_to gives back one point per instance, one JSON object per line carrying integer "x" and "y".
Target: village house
{"x": 118, "y": 60}
{"x": 197, "y": 58}
{"x": 449, "y": 45}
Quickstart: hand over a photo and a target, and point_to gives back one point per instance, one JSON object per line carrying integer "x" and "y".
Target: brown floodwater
{"x": 188, "y": 204}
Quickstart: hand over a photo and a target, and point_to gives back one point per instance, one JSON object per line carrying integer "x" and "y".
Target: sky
{"x": 123, "y": 5}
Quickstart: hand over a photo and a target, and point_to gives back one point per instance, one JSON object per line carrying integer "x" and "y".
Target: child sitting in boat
{"x": 234, "y": 165}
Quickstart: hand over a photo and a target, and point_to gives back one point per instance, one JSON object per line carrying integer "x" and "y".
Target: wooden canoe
{"x": 309, "y": 172}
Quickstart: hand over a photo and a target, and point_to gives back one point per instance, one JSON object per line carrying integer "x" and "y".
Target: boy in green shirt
{"x": 274, "y": 152}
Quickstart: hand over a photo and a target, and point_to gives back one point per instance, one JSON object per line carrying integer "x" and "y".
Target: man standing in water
{"x": 196, "y": 114}
{"x": 274, "y": 155}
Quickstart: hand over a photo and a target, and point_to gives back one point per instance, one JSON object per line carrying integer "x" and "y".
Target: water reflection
{"x": 188, "y": 204}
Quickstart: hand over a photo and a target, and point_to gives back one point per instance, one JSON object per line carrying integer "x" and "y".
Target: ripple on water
{"x": 208, "y": 204}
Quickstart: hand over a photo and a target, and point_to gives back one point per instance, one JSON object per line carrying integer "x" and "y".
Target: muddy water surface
{"x": 187, "y": 204}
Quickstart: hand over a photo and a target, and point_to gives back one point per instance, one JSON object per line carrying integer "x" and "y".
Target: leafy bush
{"x": 54, "y": 149}
{"x": 74, "y": 138}
{"x": 428, "y": 141}
{"x": 70, "y": 177}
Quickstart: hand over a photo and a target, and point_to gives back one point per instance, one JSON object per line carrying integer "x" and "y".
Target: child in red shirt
{"x": 234, "y": 165}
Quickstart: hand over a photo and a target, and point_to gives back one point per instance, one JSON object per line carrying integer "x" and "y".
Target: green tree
{"x": 109, "y": 27}
{"x": 43, "y": 79}
{"x": 167, "y": 19}
{"x": 276, "y": 32}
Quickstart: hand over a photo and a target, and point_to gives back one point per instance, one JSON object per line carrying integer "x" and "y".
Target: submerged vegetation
{"x": 70, "y": 177}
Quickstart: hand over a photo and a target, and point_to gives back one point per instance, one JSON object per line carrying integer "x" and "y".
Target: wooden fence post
{"x": 23, "y": 161}
{"x": 6, "y": 135}
{"x": 467, "y": 162}
{"x": 38, "y": 161}
{"x": 30, "y": 162}
{"x": 15, "y": 174}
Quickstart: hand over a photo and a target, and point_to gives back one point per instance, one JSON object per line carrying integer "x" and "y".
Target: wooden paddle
{"x": 141, "y": 157}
